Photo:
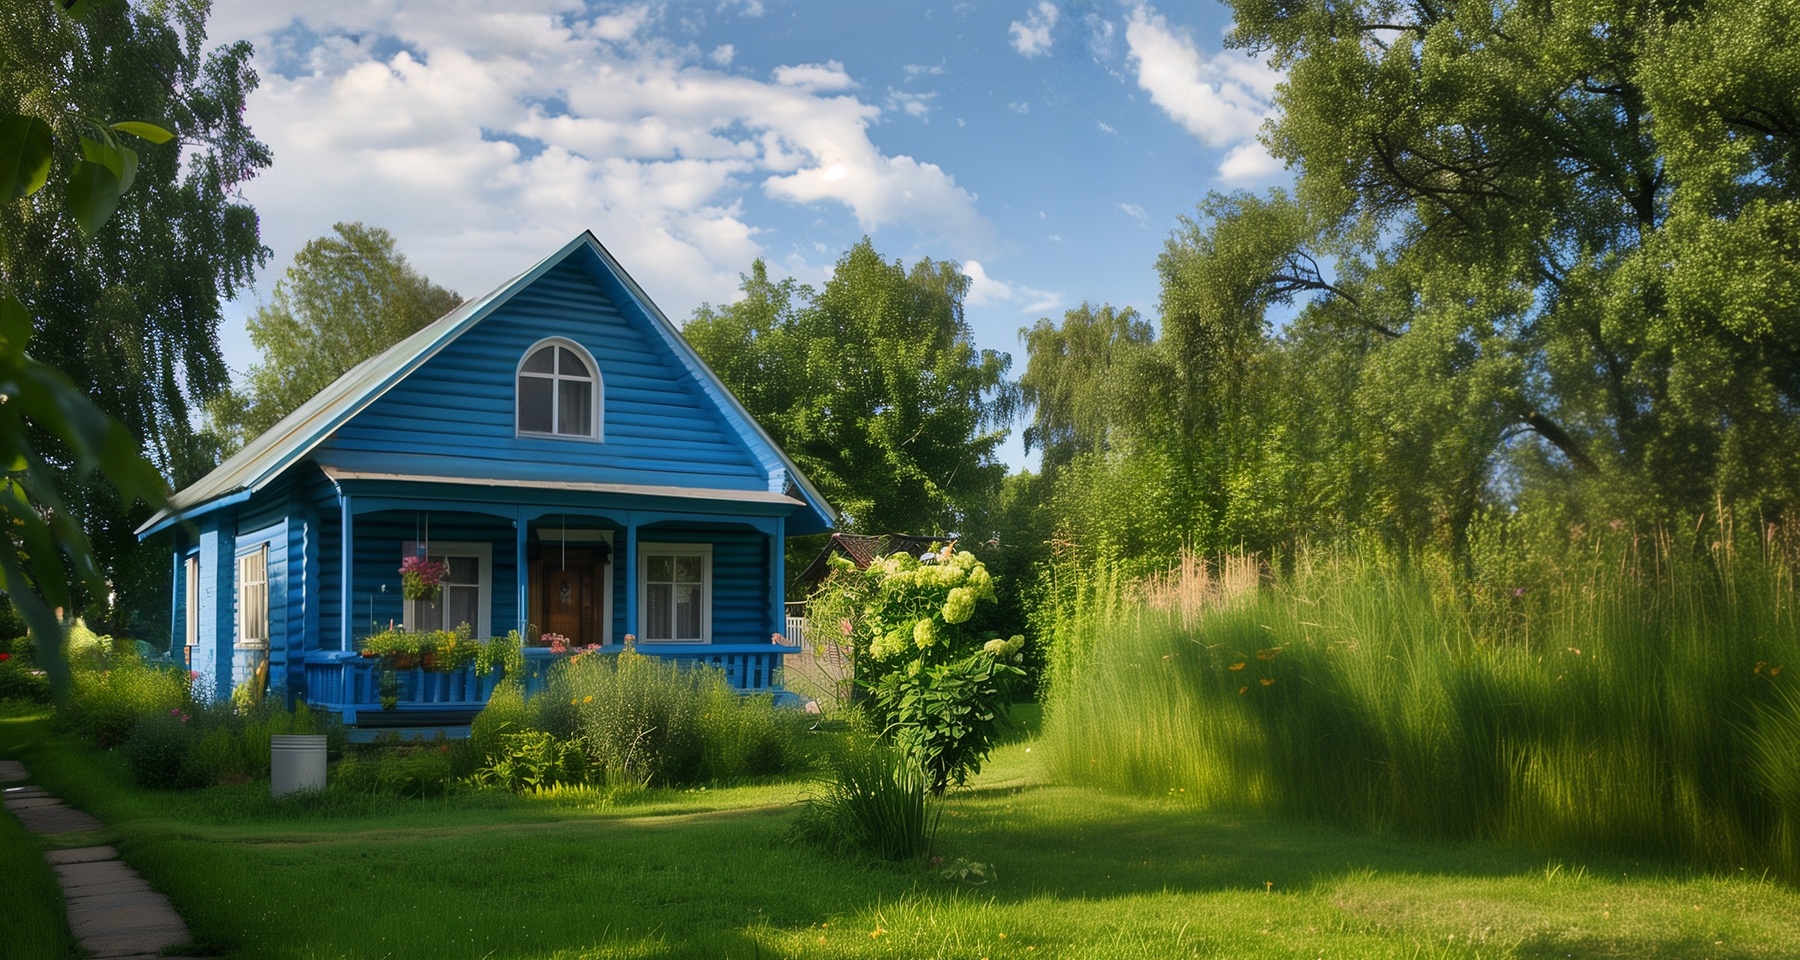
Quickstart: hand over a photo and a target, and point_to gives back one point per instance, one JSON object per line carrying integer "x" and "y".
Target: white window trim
{"x": 483, "y": 552}
{"x": 190, "y": 568}
{"x": 239, "y": 583}
{"x": 703, "y": 550}
{"x": 599, "y": 409}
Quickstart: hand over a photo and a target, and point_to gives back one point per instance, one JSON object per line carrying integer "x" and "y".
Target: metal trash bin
{"x": 296, "y": 762}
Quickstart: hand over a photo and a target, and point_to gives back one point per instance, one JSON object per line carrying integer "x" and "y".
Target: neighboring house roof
{"x": 290, "y": 440}
{"x": 863, "y": 549}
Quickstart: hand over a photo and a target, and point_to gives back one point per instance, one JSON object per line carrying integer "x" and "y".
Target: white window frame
{"x": 702, "y": 550}
{"x": 190, "y": 568}
{"x": 599, "y": 405}
{"x": 252, "y": 599}
{"x": 483, "y": 552}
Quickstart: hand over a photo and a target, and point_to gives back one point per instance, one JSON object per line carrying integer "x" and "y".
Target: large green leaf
{"x": 104, "y": 153}
{"x": 24, "y": 155}
{"x": 93, "y": 195}
{"x": 15, "y": 324}
{"x": 148, "y": 131}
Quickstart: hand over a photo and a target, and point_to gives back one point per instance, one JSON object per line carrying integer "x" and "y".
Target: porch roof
{"x": 576, "y": 486}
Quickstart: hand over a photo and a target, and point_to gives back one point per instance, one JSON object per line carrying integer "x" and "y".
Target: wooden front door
{"x": 566, "y": 597}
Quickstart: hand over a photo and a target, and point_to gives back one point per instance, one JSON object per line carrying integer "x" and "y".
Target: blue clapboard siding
{"x": 379, "y": 540}
{"x": 740, "y": 595}
{"x": 454, "y": 416}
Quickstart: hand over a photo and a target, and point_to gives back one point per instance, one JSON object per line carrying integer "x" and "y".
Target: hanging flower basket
{"x": 422, "y": 578}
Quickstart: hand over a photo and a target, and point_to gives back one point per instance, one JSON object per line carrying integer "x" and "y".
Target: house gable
{"x": 454, "y": 416}
{"x": 669, "y": 424}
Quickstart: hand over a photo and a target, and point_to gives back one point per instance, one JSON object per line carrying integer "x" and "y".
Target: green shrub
{"x": 160, "y": 749}
{"x": 110, "y": 690}
{"x": 532, "y": 760}
{"x": 936, "y": 688}
{"x": 19, "y": 677}
{"x": 636, "y": 720}
{"x": 412, "y": 770}
{"x": 875, "y": 805}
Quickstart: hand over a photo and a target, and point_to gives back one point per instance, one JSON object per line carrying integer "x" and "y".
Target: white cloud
{"x": 918, "y": 70}
{"x": 912, "y": 104}
{"x": 829, "y": 75}
{"x": 1220, "y": 99}
{"x": 1032, "y": 36}
{"x": 1020, "y": 107}
{"x": 1135, "y": 212}
{"x": 983, "y": 289}
{"x": 1249, "y": 163}
{"x": 986, "y": 291}
{"x": 487, "y": 138}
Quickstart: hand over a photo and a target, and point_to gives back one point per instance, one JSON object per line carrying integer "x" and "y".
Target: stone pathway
{"x": 112, "y": 911}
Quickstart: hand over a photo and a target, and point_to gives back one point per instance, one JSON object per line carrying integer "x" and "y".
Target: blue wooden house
{"x": 555, "y": 444}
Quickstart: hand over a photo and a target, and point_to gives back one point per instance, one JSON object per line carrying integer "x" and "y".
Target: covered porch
{"x": 693, "y": 579}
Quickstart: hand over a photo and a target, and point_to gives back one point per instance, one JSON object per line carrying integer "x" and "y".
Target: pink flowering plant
{"x": 422, "y": 578}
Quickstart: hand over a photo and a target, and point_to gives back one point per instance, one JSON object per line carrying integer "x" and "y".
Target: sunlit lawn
{"x": 711, "y": 874}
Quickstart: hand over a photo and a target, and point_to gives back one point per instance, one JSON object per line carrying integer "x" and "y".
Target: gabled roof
{"x": 291, "y": 439}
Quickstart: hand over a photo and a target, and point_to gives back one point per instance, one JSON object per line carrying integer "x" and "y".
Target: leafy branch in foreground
{"x": 47, "y": 550}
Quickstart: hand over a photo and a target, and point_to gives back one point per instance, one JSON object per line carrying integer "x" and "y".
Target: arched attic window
{"x": 558, "y": 391}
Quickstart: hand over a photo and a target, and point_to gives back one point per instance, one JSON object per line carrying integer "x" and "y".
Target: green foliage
{"x": 445, "y": 651}
{"x": 632, "y": 721}
{"x": 876, "y": 805}
{"x": 20, "y": 678}
{"x": 1630, "y": 696}
{"x": 412, "y": 770}
{"x": 937, "y": 689}
{"x": 204, "y": 745}
{"x": 532, "y": 760}
{"x": 872, "y": 384}
{"x": 121, "y": 322}
{"x": 111, "y": 690}
{"x": 344, "y": 299}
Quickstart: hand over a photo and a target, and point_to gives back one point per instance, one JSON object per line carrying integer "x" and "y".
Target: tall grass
{"x": 1630, "y": 698}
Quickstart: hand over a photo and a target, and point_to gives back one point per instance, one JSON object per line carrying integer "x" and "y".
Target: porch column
{"x": 347, "y": 570}
{"x": 524, "y": 586}
{"x": 218, "y": 598}
{"x": 628, "y": 560}
{"x": 778, "y": 575}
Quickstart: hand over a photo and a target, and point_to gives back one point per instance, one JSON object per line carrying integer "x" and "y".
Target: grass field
{"x": 710, "y": 873}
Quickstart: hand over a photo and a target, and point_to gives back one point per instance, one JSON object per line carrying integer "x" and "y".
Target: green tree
{"x": 1562, "y": 238}
{"x": 129, "y": 313}
{"x": 51, "y": 435}
{"x": 872, "y": 384}
{"x": 346, "y": 297}
{"x": 1075, "y": 380}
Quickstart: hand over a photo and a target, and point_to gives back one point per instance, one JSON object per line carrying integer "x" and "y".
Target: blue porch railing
{"x": 347, "y": 683}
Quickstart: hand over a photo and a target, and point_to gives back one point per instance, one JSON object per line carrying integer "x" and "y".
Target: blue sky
{"x": 1047, "y": 146}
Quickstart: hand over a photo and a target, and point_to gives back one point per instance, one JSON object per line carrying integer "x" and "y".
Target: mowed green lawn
{"x": 711, "y": 874}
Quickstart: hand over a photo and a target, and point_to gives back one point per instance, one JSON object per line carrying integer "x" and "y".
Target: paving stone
{"x": 111, "y": 910}
{"x": 32, "y": 803}
{"x": 98, "y": 871}
{"x": 81, "y": 855}
{"x": 57, "y": 819}
{"x": 133, "y": 884}
{"x": 150, "y": 917}
{"x": 126, "y": 944}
